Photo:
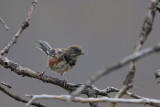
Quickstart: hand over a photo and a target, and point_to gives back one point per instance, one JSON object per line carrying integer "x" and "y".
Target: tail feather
{"x": 44, "y": 46}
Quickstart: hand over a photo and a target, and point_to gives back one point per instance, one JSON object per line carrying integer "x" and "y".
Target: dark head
{"x": 74, "y": 51}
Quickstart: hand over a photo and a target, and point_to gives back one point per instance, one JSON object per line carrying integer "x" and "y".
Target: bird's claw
{"x": 40, "y": 74}
{"x": 64, "y": 82}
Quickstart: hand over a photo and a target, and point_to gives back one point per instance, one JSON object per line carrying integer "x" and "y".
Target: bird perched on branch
{"x": 60, "y": 60}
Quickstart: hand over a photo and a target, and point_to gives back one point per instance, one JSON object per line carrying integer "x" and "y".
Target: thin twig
{"x": 4, "y": 24}
{"x": 5, "y": 84}
{"x": 92, "y": 100}
{"x": 19, "y": 98}
{"x": 146, "y": 29}
{"x": 23, "y": 27}
{"x": 117, "y": 65}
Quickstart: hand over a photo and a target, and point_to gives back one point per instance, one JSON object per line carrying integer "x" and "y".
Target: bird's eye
{"x": 77, "y": 50}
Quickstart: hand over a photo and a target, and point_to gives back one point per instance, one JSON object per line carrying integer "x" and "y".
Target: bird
{"x": 60, "y": 60}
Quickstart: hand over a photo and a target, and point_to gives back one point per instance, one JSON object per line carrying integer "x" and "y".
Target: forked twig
{"x": 23, "y": 27}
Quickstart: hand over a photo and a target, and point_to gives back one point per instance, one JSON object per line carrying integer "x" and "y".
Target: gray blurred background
{"x": 107, "y": 30}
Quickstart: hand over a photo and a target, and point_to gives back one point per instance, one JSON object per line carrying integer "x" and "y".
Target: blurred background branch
{"x": 4, "y": 24}
{"x": 145, "y": 31}
{"x": 19, "y": 98}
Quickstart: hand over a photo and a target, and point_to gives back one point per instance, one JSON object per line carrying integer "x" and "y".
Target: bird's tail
{"x": 44, "y": 46}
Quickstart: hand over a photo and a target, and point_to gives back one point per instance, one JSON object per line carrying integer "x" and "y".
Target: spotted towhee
{"x": 60, "y": 60}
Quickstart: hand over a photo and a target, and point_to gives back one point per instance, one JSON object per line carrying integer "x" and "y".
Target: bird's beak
{"x": 82, "y": 53}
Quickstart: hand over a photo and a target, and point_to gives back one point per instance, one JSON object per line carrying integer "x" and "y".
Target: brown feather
{"x": 54, "y": 62}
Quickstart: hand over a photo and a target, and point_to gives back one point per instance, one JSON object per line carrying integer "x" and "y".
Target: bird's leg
{"x": 64, "y": 80}
{"x": 41, "y": 74}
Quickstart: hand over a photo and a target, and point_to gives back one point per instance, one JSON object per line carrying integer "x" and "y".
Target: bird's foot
{"x": 40, "y": 74}
{"x": 64, "y": 82}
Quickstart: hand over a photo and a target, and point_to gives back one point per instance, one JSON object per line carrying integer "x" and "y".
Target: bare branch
{"x": 70, "y": 87}
{"x": 4, "y": 24}
{"x": 92, "y": 100}
{"x": 19, "y": 98}
{"x": 118, "y": 65}
{"x": 23, "y": 27}
{"x": 146, "y": 29}
{"x": 147, "y": 25}
{"x": 113, "y": 89}
{"x": 5, "y": 84}
{"x": 87, "y": 88}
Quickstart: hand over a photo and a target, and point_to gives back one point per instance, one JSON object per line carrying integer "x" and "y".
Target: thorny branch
{"x": 19, "y": 98}
{"x": 146, "y": 29}
{"x": 23, "y": 27}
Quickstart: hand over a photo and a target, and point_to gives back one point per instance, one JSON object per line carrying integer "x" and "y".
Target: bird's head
{"x": 75, "y": 50}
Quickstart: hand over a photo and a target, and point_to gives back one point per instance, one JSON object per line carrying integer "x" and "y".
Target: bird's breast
{"x": 55, "y": 61}
{"x": 59, "y": 65}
